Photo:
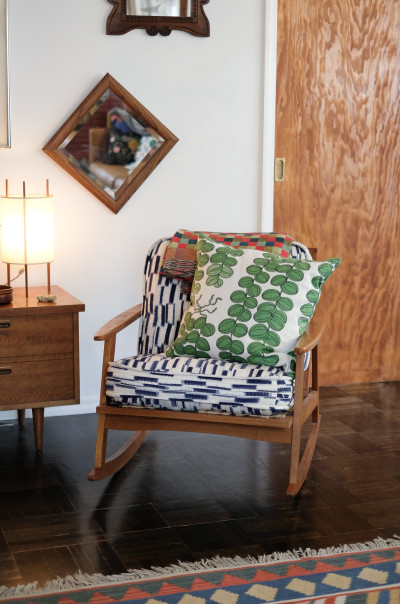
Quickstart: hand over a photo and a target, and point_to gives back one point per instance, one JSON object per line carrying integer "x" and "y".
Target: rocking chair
{"x": 154, "y": 391}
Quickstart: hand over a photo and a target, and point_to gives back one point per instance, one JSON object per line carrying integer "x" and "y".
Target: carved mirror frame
{"x": 120, "y": 22}
{"x": 71, "y": 145}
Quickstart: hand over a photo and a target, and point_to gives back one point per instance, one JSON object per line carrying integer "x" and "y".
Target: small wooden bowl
{"x": 6, "y": 294}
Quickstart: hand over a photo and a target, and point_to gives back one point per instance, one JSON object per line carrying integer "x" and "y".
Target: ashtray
{"x": 6, "y": 294}
{"x": 47, "y": 298}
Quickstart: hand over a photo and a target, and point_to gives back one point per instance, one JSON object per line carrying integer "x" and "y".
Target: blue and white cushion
{"x": 163, "y": 304}
{"x": 200, "y": 385}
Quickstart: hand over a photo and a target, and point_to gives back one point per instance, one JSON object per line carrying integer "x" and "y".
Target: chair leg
{"x": 106, "y": 467}
{"x": 305, "y": 404}
{"x": 299, "y": 466}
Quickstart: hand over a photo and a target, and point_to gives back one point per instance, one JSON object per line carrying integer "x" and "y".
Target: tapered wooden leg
{"x": 38, "y": 421}
{"x": 21, "y": 417}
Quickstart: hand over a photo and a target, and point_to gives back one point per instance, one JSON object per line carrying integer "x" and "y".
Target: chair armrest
{"x": 118, "y": 323}
{"x": 310, "y": 337}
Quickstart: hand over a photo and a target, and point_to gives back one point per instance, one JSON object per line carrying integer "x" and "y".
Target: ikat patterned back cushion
{"x": 249, "y": 307}
{"x": 180, "y": 260}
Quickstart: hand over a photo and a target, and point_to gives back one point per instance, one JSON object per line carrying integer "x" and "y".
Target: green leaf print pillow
{"x": 249, "y": 306}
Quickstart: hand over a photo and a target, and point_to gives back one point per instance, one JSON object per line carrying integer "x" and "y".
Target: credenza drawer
{"x": 36, "y": 335}
{"x": 37, "y": 381}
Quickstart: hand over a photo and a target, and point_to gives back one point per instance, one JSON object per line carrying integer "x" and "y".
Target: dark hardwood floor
{"x": 192, "y": 496}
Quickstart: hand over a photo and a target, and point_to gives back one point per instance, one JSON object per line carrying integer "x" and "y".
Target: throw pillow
{"x": 180, "y": 259}
{"x": 249, "y": 307}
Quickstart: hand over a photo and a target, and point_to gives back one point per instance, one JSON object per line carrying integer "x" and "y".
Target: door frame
{"x": 268, "y": 115}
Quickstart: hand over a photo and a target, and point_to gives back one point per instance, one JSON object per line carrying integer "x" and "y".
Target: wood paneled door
{"x": 338, "y": 126}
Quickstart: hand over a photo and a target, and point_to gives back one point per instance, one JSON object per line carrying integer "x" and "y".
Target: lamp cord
{"x": 20, "y": 272}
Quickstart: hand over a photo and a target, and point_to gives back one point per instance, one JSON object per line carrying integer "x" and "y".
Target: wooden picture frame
{"x": 85, "y": 144}
{"x": 193, "y": 20}
{"x": 5, "y": 135}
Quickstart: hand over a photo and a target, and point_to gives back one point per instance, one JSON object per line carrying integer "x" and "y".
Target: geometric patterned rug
{"x": 354, "y": 574}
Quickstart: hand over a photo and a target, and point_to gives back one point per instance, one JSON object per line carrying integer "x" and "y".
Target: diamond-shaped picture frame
{"x": 111, "y": 143}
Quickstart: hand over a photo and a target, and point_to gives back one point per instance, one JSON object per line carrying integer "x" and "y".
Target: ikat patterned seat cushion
{"x": 249, "y": 307}
{"x": 180, "y": 260}
{"x": 199, "y": 385}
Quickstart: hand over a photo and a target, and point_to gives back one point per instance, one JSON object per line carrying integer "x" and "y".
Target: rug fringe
{"x": 82, "y": 580}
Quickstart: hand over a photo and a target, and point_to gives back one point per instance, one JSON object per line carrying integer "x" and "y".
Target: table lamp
{"x": 27, "y": 230}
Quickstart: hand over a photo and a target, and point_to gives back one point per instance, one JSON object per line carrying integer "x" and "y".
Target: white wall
{"x": 207, "y": 91}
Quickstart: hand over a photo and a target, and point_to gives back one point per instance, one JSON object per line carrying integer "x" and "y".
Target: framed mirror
{"x": 111, "y": 143}
{"x": 158, "y": 17}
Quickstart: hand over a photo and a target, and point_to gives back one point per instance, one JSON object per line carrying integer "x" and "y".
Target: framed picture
{"x": 5, "y": 138}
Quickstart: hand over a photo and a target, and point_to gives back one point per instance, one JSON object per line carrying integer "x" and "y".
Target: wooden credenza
{"x": 39, "y": 354}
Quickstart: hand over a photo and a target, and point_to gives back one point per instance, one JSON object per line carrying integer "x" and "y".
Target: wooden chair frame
{"x": 286, "y": 429}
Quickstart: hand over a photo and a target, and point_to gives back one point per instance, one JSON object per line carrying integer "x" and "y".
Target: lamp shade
{"x": 27, "y": 229}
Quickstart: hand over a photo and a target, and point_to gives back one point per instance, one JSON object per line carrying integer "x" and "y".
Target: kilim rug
{"x": 355, "y": 574}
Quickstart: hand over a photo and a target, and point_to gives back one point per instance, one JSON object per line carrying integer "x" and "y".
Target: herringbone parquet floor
{"x": 193, "y": 496}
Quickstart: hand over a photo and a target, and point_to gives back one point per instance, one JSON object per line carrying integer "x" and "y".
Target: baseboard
{"x": 87, "y": 405}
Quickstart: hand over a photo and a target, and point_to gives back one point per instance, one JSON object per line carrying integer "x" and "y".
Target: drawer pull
{"x": 5, "y": 324}
{"x": 5, "y": 371}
